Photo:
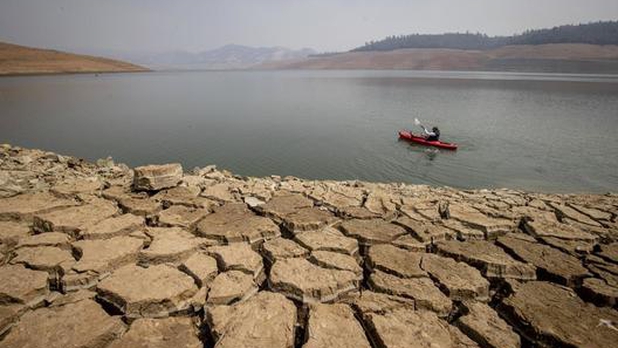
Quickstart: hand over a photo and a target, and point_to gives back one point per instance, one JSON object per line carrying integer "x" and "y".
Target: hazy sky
{"x": 325, "y": 25}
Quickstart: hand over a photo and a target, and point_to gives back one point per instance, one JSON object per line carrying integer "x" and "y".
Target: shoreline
{"x": 63, "y": 73}
{"x": 521, "y": 188}
{"x": 107, "y": 164}
{"x": 102, "y": 254}
{"x": 522, "y": 73}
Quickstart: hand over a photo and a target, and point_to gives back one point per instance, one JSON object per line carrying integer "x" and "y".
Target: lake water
{"x": 553, "y": 133}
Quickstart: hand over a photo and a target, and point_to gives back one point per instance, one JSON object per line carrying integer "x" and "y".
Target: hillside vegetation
{"x": 599, "y": 33}
{"x": 559, "y": 58}
{"x": 21, "y": 60}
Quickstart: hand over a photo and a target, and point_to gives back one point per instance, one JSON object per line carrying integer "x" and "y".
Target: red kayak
{"x": 407, "y": 135}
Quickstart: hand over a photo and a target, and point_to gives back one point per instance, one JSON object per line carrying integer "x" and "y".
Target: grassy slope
{"x": 21, "y": 60}
{"x": 453, "y": 59}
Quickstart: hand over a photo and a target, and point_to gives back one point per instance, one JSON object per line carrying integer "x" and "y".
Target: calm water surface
{"x": 554, "y": 133}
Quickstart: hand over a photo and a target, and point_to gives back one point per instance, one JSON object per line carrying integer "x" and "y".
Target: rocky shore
{"x": 102, "y": 255}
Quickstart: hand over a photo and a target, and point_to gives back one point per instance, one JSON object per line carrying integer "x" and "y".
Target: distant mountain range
{"x": 226, "y": 57}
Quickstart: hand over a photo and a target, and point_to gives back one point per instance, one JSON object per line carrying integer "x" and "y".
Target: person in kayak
{"x": 433, "y": 135}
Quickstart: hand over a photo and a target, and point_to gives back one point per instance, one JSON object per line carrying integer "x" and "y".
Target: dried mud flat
{"x": 101, "y": 255}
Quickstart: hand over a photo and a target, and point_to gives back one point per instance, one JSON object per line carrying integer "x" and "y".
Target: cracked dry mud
{"x": 105, "y": 256}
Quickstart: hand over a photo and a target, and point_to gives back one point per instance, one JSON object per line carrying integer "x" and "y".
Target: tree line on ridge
{"x": 597, "y": 33}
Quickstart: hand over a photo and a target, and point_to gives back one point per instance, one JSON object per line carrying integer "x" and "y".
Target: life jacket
{"x": 436, "y": 131}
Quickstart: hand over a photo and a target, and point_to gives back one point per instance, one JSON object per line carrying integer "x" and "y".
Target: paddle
{"x": 418, "y": 123}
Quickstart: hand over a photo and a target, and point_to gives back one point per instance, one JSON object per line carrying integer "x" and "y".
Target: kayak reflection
{"x": 430, "y": 153}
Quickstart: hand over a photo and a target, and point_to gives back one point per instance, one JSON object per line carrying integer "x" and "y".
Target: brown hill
{"x": 21, "y": 60}
{"x": 550, "y": 57}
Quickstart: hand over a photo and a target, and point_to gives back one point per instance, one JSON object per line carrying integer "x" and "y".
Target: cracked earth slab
{"x": 113, "y": 227}
{"x": 11, "y": 233}
{"x": 565, "y": 211}
{"x": 55, "y": 261}
{"x": 152, "y": 292}
{"x": 490, "y": 259}
{"x": 422, "y": 290}
{"x": 609, "y": 252}
{"x": 334, "y": 326}
{"x": 425, "y": 231}
{"x": 369, "y": 232}
{"x": 22, "y": 285}
{"x": 328, "y": 239}
{"x": 234, "y": 223}
{"x": 49, "y": 239}
{"x": 490, "y": 226}
{"x": 9, "y": 315}
{"x": 231, "y": 286}
{"x": 181, "y": 216}
{"x": 393, "y": 260}
{"x": 333, "y": 260}
{"x": 376, "y": 302}
{"x": 98, "y": 258}
{"x": 543, "y": 228}
{"x": 239, "y": 257}
{"x": 564, "y": 268}
{"x": 267, "y": 320}
{"x": 550, "y": 312}
{"x": 169, "y": 245}
{"x": 201, "y": 267}
{"x": 146, "y": 207}
{"x": 458, "y": 280}
{"x": 280, "y": 206}
{"x": 405, "y": 328}
{"x": 185, "y": 196}
{"x": 308, "y": 219}
{"x": 24, "y": 206}
{"x": 157, "y": 177}
{"x": 73, "y": 187}
{"x": 485, "y": 326}
{"x": 160, "y": 333}
{"x": 303, "y": 281}
{"x": 282, "y": 248}
{"x": 82, "y": 324}
{"x": 599, "y": 292}
{"x": 73, "y": 220}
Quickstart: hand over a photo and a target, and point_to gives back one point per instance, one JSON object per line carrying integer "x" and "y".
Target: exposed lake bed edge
{"x": 201, "y": 255}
